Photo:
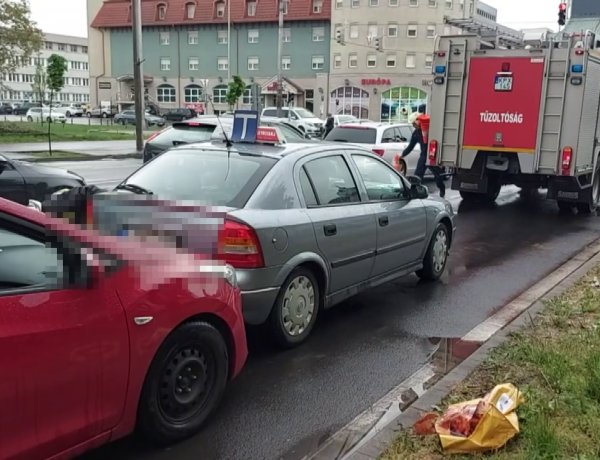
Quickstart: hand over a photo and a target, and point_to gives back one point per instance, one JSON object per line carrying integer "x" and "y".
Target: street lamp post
{"x": 204, "y": 83}
{"x": 282, "y": 5}
{"x": 228, "y": 41}
{"x": 138, "y": 81}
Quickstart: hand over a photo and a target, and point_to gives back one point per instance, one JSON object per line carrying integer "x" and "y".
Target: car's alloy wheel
{"x": 30, "y": 118}
{"x": 436, "y": 256}
{"x": 296, "y": 308}
{"x": 185, "y": 383}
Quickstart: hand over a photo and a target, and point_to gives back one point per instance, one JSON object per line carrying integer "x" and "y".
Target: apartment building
{"x": 17, "y": 85}
{"x": 189, "y": 54}
{"x": 388, "y": 82}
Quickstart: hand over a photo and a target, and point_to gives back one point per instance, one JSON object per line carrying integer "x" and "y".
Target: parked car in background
{"x": 46, "y": 114}
{"x": 101, "y": 112}
{"x": 179, "y": 114}
{"x": 385, "y": 140}
{"x": 128, "y": 335}
{"x": 6, "y": 108}
{"x": 308, "y": 224}
{"x": 127, "y": 117}
{"x": 21, "y": 181}
{"x": 72, "y": 110}
{"x": 343, "y": 119}
{"x": 301, "y": 118}
{"x": 24, "y": 107}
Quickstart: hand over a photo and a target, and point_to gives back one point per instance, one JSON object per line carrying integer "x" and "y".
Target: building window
{"x": 165, "y": 63}
{"x": 285, "y": 8}
{"x": 372, "y": 31}
{"x": 251, "y": 8}
{"x": 390, "y": 61}
{"x": 84, "y": 49}
{"x": 337, "y": 61}
{"x": 350, "y": 100}
{"x": 253, "y": 63}
{"x": 165, "y": 38}
{"x": 449, "y": 4}
{"x": 392, "y": 30}
{"x": 318, "y": 62}
{"x": 398, "y": 103}
{"x": 49, "y": 45}
{"x": 193, "y": 93}
{"x": 194, "y": 63}
{"x": 247, "y": 96}
{"x": 253, "y": 36}
{"x": 432, "y": 3}
{"x": 165, "y": 93}
{"x": 339, "y": 4}
{"x": 73, "y": 48}
{"x": 393, "y": 2}
{"x": 371, "y": 60}
{"x": 355, "y": 3}
{"x": 373, "y": 2}
{"x": 190, "y": 10}
{"x": 161, "y": 11}
{"x": 413, "y": 2}
{"x": 220, "y": 9}
{"x": 192, "y": 38}
{"x": 220, "y": 94}
{"x": 318, "y": 34}
{"x": 411, "y": 31}
{"x": 431, "y": 31}
{"x": 62, "y": 47}
{"x": 317, "y": 6}
{"x": 353, "y": 60}
{"x": 86, "y": 66}
{"x": 222, "y": 63}
{"x": 287, "y": 35}
{"x": 353, "y": 30}
{"x": 411, "y": 61}
{"x": 286, "y": 62}
{"x": 428, "y": 61}
{"x": 222, "y": 37}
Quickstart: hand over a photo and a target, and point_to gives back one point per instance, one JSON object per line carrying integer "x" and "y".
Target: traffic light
{"x": 562, "y": 14}
{"x": 339, "y": 36}
{"x": 377, "y": 43}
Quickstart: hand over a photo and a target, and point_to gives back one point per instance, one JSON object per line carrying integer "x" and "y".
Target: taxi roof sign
{"x": 268, "y": 135}
{"x": 245, "y": 126}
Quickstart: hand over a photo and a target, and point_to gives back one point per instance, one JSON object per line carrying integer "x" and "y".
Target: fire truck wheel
{"x": 470, "y": 196}
{"x": 591, "y": 206}
{"x": 493, "y": 190}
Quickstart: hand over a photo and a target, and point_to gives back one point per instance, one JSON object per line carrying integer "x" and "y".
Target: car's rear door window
{"x": 332, "y": 181}
{"x": 209, "y": 177}
{"x": 307, "y": 190}
{"x": 353, "y": 134}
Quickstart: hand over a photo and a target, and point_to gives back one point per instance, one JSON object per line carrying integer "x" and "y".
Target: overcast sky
{"x": 69, "y": 16}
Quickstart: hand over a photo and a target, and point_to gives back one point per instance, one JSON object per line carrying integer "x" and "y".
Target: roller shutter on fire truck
{"x": 503, "y": 102}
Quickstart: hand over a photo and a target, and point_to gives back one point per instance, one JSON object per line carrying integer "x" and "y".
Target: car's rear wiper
{"x": 134, "y": 188}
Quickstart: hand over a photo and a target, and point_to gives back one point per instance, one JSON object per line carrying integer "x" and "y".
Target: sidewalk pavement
{"x": 93, "y": 150}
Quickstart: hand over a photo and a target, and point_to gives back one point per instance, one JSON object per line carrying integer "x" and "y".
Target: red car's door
{"x": 64, "y": 353}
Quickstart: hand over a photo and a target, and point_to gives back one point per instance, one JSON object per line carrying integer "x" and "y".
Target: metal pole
{"x": 138, "y": 74}
{"x": 228, "y": 41}
{"x": 279, "y": 56}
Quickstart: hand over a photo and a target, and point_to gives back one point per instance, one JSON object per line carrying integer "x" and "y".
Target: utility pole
{"x": 282, "y": 4}
{"x": 228, "y": 41}
{"x": 138, "y": 79}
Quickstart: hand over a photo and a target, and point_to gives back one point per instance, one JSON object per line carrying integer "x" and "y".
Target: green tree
{"x": 38, "y": 87}
{"x": 55, "y": 77}
{"x": 235, "y": 91}
{"x": 19, "y": 36}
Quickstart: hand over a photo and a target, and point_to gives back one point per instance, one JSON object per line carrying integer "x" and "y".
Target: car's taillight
{"x": 152, "y": 136}
{"x": 567, "y": 156}
{"x": 379, "y": 152}
{"x": 433, "y": 150}
{"x": 397, "y": 163}
{"x": 239, "y": 246}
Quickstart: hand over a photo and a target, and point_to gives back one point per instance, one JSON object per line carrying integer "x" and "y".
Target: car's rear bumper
{"x": 257, "y": 304}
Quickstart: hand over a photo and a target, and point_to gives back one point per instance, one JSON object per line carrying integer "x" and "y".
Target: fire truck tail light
{"x": 433, "y": 150}
{"x": 579, "y": 52}
{"x": 567, "y": 156}
{"x": 441, "y": 54}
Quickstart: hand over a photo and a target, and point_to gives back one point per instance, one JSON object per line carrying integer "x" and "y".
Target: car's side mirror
{"x": 414, "y": 180}
{"x": 419, "y": 192}
{"x": 3, "y": 163}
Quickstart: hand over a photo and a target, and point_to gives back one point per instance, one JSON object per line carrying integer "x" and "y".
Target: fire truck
{"x": 528, "y": 116}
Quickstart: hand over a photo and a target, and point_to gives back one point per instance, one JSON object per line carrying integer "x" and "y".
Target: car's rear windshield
{"x": 208, "y": 177}
{"x": 355, "y": 135}
{"x": 184, "y": 134}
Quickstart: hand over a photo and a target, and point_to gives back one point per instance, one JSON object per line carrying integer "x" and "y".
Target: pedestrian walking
{"x": 417, "y": 138}
{"x": 328, "y": 125}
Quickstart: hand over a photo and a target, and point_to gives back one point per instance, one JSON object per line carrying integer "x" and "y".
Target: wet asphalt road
{"x": 285, "y": 403}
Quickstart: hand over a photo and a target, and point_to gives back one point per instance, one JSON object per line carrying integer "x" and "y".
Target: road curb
{"x": 81, "y": 158}
{"x": 432, "y": 397}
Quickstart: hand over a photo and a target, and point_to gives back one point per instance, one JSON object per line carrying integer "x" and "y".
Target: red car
{"x": 105, "y": 335}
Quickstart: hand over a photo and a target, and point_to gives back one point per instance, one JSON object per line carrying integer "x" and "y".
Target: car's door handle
{"x": 330, "y": 229}
{"x": 383, "y": 221}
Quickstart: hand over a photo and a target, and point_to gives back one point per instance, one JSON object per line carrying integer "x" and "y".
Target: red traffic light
{"x": 562, "y": 7}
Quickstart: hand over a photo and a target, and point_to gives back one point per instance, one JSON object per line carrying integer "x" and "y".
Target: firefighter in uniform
{"x": 417, "y": 138}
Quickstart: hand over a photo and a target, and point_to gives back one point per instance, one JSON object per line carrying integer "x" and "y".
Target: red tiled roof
{"x": 116, "y": 13}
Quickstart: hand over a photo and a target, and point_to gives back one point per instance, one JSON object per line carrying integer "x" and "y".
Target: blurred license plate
{"x": 503, "y": 83}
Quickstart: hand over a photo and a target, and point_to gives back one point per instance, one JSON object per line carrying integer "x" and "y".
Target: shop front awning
{"x": 129, "y": 78}
{"x": 270, "y": 87}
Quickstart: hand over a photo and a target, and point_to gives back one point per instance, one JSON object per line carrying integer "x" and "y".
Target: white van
{"x": 301, "y": 118}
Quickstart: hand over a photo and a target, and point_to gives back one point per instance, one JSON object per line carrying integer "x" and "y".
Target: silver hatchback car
{"x": 308, "y": 225}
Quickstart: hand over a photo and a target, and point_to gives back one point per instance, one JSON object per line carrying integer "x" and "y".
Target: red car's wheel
{"x": 185, "y": 383}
